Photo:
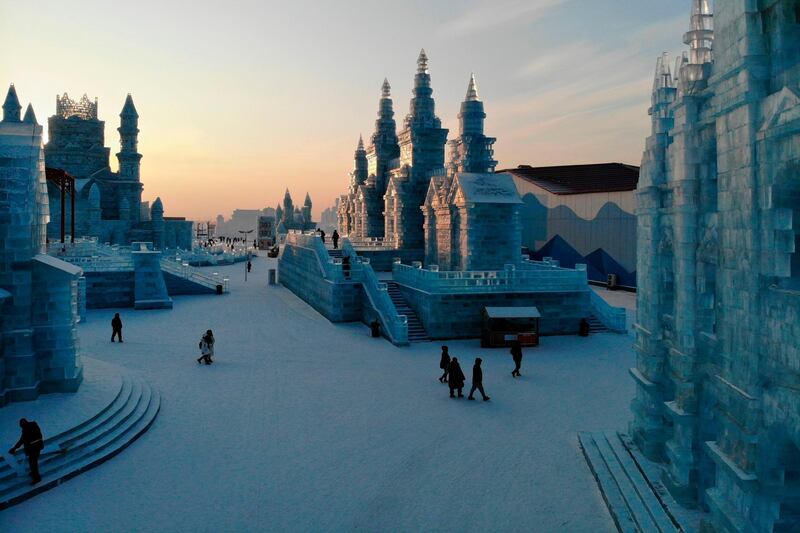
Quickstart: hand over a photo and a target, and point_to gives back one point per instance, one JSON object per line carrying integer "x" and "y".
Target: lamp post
{"x": 246, "y": 238}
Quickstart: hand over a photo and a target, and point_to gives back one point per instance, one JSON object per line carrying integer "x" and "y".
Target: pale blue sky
{"x": 241, "y": 99}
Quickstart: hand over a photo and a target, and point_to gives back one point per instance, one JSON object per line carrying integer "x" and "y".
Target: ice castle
{"x": 38, "y": 293}
{"x": 718, "y": 367}
{"x": 407, "y": 206}
{"x": 108, "y": 205}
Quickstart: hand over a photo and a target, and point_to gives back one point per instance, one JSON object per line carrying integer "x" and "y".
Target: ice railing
{"x": 313, "y": 242}
{"x": 525, "y": 276}
{"x": 93, "y": 256}
{"x": 396, "y": 325}
{"x": 370, "y": 242}
{"x": 176, "y": 264}
{"x": 614, "y": 318}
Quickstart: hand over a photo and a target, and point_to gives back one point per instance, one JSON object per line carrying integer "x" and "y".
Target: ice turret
{"x": 383, "y": 143}
{"x": 472, "y": 150}
{"x": 700, "y": 39}
{"x": 422, "y": 110}
{"x": 129, "y": 157}
{"x": 157, "y": 210}
{"x": 30, "y": 116}
{"x": 307, "y": 201}
{"x": 360, "y": 166}
{"x": 11, "y": 107}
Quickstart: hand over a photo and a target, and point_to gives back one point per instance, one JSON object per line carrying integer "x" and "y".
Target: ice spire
{"x": 386, "y": 89}
{"x": 422, "y": 62}
{"x": 700, "y": 37}
{"x": 11, "y": 107}
{"x": 472, "y": 89}
{"x": 360, "y": 146}
{"x": 307, "y": 203}
{"x": 128, "y": 109}
{"x": 663, "y": 76}
{"x": 30, "y": 116}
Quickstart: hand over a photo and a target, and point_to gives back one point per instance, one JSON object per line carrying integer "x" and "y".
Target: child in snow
{"x": 206, "y": 348}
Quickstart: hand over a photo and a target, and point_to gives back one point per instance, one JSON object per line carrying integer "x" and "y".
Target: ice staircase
{"x": 635, "y": 502}
{"x": 416, "y": 332}
{"x": 84, "y": 446}
{"x": 595, "y": 325}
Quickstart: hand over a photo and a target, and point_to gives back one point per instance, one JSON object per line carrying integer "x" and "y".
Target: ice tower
{"x": 422, "y": 143}
{"x": 718, "y": 270}
{"x": 38, "y": 293}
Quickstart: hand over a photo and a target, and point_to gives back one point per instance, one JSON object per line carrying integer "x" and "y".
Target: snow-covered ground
{"x": 304, "y": 425}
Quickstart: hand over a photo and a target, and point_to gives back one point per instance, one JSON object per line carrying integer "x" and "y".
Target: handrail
{"x": 614, "y": 318}
{"x": 395, "y": 324}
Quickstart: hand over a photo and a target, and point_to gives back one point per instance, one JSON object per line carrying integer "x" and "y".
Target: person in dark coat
{"x": 335, "y": 237}
{"x": 116, "y": 327}
{"x": 32, "y": 442}
{"x": 477, "y": 380}
{"x": 444, "y": 364}
{"x": 249, "y": 266}
{"x": 516, "y": 354}
{"x": 583, "y": 328}
{"x": 322, "y": 236}
{"x": 456, "y": 378}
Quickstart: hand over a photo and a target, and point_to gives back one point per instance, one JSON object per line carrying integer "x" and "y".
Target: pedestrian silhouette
{"x": 456, "y": 378}
{"x": 249, "y": 266}
{"x": 206, "y": 348}
{"x": 32, "y": 442}
{"x": 116, "y": 327}
{"x": 444, "y": 364}
{"x": 335, "y": 237}
{"x": 583, "y": 328}
{"x": 477, "y": 380}
{"x": 516, "y": 354}
{"x": 322, "y": 236}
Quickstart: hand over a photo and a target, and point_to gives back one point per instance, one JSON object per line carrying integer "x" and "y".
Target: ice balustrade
{"x": 527, "y": 276}
{"x": 178, "y": 266}
{"x": 396, "y": 325}
{"x": 330, "y": 270}
{"x": 614, "y": 318}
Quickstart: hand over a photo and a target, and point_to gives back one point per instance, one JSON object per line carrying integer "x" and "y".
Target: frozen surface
{"x": 306, "y": 425}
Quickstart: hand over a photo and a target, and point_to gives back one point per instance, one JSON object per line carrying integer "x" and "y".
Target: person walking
{"x": 206, "y": 348}
{"x": 249, "y": 265}
{"x": 335, "y": 238}
{"x": 322, "y": 235}
{"x": 456, "y": 378}
{"x": 32, "y": 442}
{"x": 477, "y": 380}
{"x": 516, "y": 354}
{"x": 116, "y": 327}
{"x": 444, "y": 364}
{"x": 583, "y": 328}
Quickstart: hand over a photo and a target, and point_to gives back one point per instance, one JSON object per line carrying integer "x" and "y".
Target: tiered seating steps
{"x": 84, "y": 446}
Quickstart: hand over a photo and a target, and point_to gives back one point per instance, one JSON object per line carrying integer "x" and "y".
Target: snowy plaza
{"x": 304, "y": 425}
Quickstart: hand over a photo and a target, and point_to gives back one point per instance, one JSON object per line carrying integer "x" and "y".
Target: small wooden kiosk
{"x": 502, "y": 326}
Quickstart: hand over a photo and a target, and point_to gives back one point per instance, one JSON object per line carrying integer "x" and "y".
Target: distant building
{"x": 266, "y": 236}
{"x": 108, "y": 205}
{"x": 581, "y": 214}
{"x": 290, "y": 217}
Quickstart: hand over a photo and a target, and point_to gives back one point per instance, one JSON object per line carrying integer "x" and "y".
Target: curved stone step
{"x": 90, "y": 443}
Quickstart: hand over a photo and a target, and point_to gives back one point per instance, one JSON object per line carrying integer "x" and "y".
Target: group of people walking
{"x": 206, "y": 348}
{"x": 454, "y": 376}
